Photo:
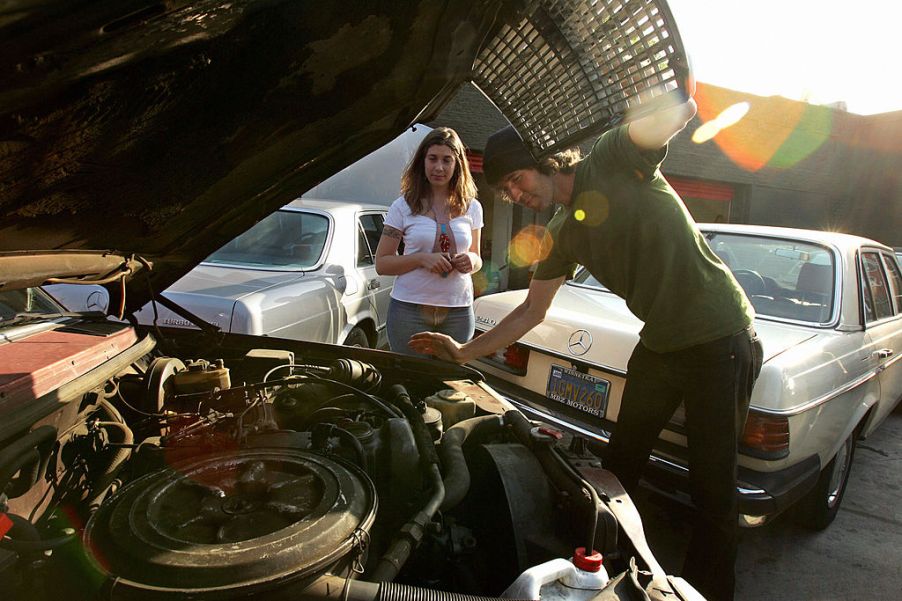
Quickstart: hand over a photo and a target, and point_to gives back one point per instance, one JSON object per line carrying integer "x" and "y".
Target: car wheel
{"x": 357, "y": 337}
{"x": 820, "y": 506}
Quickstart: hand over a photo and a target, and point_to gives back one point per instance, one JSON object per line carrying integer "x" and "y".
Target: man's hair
{"x": 564, "y": 161}
{"x": 415, "y": 187}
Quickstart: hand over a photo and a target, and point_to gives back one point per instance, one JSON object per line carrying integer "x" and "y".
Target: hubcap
{"x": 840, "y": 467}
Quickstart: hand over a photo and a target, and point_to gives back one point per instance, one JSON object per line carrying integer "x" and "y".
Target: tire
{"x": 357, "y": 337}
{"x": 820, "y": 506}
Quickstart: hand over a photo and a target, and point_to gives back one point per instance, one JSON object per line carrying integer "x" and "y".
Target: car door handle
{"x": 373, "y": 284}
{"x": 884, "y": 353}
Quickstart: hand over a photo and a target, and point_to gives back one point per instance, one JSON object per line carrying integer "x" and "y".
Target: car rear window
{"x": 785, "y": 279}
{"x": 285, "y": 240}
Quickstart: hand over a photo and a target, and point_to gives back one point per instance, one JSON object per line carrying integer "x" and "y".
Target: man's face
{"x": 528, "y": 188}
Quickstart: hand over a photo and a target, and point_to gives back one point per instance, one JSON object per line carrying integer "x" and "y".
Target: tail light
{"x": 766, "y": 436}
{"x": 513, "y": 358}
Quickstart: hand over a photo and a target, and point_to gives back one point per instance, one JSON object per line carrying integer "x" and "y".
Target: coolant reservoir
{"x": 577, "y": 579}
{"x": 202, "y": 376}
{"x": 455, "y": 406}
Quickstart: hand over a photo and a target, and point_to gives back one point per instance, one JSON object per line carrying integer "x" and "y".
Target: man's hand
{"x": 664, "y": 116}
{"x": 440, "y": 345}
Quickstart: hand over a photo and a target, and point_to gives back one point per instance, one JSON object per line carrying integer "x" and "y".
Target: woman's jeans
{"x": 406, "y": 319}
{"x": 714, "y": 382}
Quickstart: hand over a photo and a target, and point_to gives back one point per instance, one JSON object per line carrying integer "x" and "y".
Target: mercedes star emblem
{"x": 580, "y": 342}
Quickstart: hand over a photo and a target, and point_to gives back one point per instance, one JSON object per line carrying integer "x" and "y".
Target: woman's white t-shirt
{"x": 424, "y": 287}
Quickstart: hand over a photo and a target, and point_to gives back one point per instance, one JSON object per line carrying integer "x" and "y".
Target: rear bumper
{"x": 758, "y": 493}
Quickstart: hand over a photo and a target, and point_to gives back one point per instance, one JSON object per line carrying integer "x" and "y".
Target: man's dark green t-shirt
{"x": 629, "y": 228}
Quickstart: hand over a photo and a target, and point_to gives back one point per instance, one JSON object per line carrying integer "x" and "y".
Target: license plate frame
{"x": 591, "y": 392}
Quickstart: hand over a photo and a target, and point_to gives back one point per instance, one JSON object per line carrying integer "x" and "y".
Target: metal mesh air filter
{"x": 563, "y": 70}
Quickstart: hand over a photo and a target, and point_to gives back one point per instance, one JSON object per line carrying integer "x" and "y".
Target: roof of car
{"x": 838, "y": 239}
{"x": 334, "y": 206}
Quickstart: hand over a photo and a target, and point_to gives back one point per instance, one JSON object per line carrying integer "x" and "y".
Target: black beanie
{"x": 505, "y": 152}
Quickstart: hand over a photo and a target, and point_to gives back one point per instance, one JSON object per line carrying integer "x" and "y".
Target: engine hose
{"x": 361, "y": 590}
{"x": 357, "y": 373}
{"x": 399, "y": 397}
{"x": 25, "y": 452}
{"x": 559, "y": 471}
{"x": 389, "y": 591}
{"x": 324, "y": 431}
{"x": 23, "y": 537}
{"x": 457, "y": 474}
{"x": 411, "y": 533}
{"x": 107, "y": 477}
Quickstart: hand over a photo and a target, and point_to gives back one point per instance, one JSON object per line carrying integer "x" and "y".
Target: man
{"x": 622, "y": 221}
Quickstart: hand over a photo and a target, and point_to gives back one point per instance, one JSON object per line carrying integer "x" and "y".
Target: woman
{"x": 439, "y": 220}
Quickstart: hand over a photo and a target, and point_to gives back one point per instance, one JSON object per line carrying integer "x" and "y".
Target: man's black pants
{"x": 714, "y": 380}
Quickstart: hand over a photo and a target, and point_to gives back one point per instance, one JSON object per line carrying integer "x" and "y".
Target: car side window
{"x": 876, "y": 292}
{"x": 370, "y": 231}
{"x": 895, "y": 281}
{"x": 364, "y": 254}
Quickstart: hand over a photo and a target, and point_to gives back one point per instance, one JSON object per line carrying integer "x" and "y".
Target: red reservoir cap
{"x": 589, "y": 563}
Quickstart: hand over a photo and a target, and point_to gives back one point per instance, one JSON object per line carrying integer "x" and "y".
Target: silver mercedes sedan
{"x": 305, "y": 272}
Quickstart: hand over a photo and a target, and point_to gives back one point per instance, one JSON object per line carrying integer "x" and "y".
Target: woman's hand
{"x": 463, "y": 262}
{"x": 436, "y": 262}
{"x": 440, "y": 345}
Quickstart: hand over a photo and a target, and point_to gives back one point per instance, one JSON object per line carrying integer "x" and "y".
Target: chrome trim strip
{"x": 889, "y": 362}
{"x": 583, "y": 432}
{"x": 823, "y": 398}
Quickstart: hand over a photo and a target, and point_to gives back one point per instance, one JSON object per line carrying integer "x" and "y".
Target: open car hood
{"x": 159, "y": 131}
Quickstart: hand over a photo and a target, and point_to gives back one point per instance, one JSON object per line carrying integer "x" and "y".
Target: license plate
{"x": 578, "y": 390}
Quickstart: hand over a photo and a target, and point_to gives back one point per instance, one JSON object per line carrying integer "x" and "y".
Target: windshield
{"x": 19, "y": 307}
{"x": 286, "y": 239}
{"x": 783, "y": 278}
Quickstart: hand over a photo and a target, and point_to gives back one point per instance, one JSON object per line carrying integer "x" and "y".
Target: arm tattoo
{"x": 392, "y": 232}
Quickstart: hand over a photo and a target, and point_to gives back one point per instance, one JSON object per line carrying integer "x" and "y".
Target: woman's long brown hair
{"x": 415, "y": 187}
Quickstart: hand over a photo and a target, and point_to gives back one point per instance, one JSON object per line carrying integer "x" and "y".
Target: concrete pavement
{"x": 859, "y": 556}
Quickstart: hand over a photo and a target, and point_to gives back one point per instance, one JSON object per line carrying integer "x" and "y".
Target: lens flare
{"x": 729, "y": 116}
{"x": 529, "y": 245}
{"x": 487, "y": 279}
{"x": 770, "y": 132}
{"x": 591, "y": 207}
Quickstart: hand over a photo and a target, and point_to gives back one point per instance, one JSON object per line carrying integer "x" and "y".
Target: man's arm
{"x": 525, "y": 317}
{"x": 655, "y": 130}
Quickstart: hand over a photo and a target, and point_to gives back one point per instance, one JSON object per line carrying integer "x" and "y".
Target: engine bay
{"x": 295, "y": 470}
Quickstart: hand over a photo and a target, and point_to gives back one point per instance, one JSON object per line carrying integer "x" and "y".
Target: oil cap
{"x": 588, "y": 563}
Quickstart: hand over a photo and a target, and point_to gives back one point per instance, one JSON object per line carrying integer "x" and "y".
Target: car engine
{"x": 300, "y": 471}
